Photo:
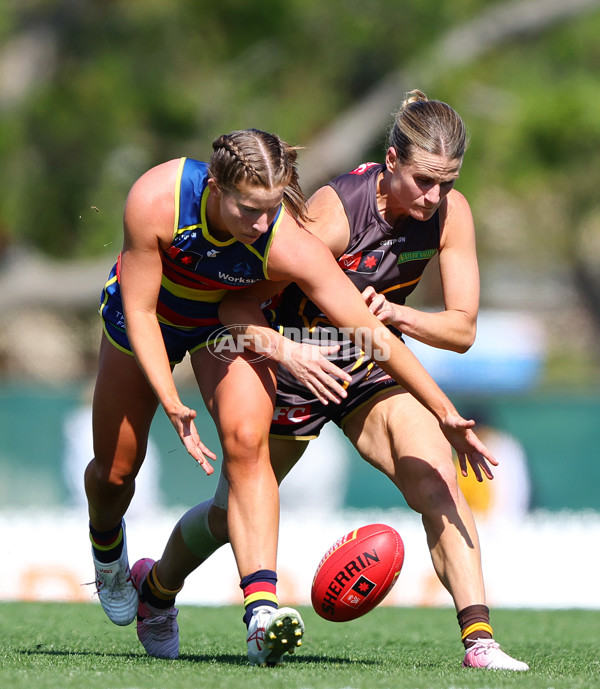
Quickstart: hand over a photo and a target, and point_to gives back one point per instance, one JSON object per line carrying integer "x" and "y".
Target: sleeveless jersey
{"x": 391, "y": 259}
{"x": 198, "y": 269}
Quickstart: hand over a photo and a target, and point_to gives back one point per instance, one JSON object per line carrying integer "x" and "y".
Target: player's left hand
{"x": 309, "y": 365}
{"x": 469, "y": 449}
{"x": 379, "y": 305}
{"x": 182, "y": 418}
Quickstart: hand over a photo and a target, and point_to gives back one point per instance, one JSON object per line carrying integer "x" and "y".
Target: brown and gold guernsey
{"x": 390, "y": 258}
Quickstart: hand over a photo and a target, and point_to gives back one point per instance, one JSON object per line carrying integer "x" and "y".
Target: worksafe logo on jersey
{"x": 361, "y": 262}
{"x": 232, "y": 342}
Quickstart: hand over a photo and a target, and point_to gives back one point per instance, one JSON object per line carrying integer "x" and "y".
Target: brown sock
{"x": 474, "y": 621}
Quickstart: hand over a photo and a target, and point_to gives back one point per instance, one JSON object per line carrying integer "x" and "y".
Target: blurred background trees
{"x": 93, "y": 92}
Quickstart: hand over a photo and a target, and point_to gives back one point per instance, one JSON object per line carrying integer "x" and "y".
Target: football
{"x": 357, "y": 572}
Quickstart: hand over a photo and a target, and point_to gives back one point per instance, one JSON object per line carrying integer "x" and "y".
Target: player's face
{"x": 418, "y": 188}
{"x": 247, "y": 213}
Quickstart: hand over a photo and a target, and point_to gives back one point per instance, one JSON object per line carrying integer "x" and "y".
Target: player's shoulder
{"x": 151, "y": 198}
{"x": 454, "y": 207}
{"x": 455, "y": 197}
{"x": 157, "y": 181}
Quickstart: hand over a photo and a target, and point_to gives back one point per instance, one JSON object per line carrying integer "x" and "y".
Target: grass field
{"x": 52, "y": 646}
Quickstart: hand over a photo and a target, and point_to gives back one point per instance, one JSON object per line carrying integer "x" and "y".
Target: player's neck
{"x": 389, "y": 212}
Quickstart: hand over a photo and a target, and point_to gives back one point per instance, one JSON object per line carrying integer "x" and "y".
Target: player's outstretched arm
{"x": 148, "y": 222}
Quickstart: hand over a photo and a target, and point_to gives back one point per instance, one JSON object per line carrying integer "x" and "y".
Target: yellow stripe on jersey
{"x": 181, "y": 230}
{"x": 404, "y": 284}
{"x": 211, "y": 296}
{"x": 205, "y": 233}
{"x": 357, "y": 364}
{"x": 178, "y": 195}
{"x": 260, "y": 256}
{"x": 106, "y": 296}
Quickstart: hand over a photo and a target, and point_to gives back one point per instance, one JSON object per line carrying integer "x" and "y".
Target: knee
{"x": 433, "y": 492}
{"x": 110, "y": 475}
{"x": 247, "y": 441}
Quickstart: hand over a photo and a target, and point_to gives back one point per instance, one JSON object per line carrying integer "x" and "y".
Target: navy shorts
{"x": 178, "y": 341}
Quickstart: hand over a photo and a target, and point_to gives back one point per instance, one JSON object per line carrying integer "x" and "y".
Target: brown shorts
{"x": 301, "y": 416}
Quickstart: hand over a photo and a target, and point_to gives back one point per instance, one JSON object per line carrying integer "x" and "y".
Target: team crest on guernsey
{"x": 361, "y": 262}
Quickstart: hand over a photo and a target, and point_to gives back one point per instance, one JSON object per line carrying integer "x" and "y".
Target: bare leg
{"x": 124, "y": 405}
{"x": 209, "y": 522}
{"x": 240, "y": 398}
{"x": 398, "y": 436}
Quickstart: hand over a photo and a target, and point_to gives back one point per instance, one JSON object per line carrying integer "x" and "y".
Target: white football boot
{"x": 271, "y": 633}
{"x": 486, "y": 654}
{"x": 116, "y": 592}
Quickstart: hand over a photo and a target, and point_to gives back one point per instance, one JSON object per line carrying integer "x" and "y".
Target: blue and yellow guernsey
{"x": 198, "y": 270}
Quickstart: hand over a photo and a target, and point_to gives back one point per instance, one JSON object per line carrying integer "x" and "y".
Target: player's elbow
{"x": 466, "y": 340}
{"x": 463, "y": 336}
{"x": 462, "y": 348}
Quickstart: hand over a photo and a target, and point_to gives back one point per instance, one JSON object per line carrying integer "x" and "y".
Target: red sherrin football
{"x": 357, "y": 572}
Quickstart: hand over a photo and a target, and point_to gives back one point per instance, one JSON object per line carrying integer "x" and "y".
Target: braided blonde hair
{"x": 429, "y": 125}
{"x": 254, "y": 157}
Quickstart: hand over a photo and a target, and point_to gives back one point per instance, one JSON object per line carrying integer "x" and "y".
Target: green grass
{"x": 52, "y": 646}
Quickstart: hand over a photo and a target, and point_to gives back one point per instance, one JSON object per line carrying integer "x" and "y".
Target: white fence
{"x": 543, "y": 560}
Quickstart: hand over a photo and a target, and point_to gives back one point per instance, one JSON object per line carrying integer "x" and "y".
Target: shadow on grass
{"x": 296, "y": 660}
{"x": 227, "y": 659}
